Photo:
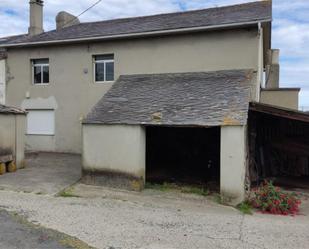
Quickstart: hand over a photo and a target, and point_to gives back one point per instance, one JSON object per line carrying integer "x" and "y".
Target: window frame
{"x": 104, "y": 62}
{"x": 41, "y": 65}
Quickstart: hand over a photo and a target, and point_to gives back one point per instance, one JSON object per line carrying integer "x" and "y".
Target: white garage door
{"x": 41, "y": 122}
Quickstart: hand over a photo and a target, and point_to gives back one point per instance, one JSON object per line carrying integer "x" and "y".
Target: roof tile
{"x": 187, "y": 99}
{"x": 242, "y": 13}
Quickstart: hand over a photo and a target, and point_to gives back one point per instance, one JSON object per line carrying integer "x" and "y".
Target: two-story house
{"x": 178, "y": 90}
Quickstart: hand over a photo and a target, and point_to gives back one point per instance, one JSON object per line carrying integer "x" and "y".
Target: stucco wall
{"x": 71, "y": 70}
{"x": 40, "y": 143}
{"x": 20, "y": 140}
{"x": 114, "y": 150}
{"x": 233, "y": 163}
{"x": 7, "y": 132}
{"x": 12, "y": 136}
{"x": 2, "y": 81}
{"x": 281, "y": 98}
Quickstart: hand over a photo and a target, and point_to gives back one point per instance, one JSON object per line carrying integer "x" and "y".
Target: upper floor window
{"x": 40, "y": 71}
{"x": 104, "y": 68}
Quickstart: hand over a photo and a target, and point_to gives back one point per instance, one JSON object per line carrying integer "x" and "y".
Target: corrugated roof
{"x": 228, "y": 15}
{"x": 280, "y": 111}
{"x": 186, "y": 99}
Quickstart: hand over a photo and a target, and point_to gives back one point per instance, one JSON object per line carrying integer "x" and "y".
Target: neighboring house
{"x": 189, "y": 69}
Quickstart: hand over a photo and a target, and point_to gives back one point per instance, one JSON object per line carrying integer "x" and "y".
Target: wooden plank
{"x": 292, "y": 147}
{"x": 6, "y": 158}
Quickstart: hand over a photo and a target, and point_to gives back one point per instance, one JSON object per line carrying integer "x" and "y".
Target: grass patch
{"x": 180, "y": 188}
{"x": 161, "y": 187}
{"x": 195, "y": 190}
{"x": 245, "y": 208}
{"x": 74, "y": 243}
{"x": 67, "y": 193}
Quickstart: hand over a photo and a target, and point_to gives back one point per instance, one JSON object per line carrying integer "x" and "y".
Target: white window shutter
{"x": 41, "y": 122}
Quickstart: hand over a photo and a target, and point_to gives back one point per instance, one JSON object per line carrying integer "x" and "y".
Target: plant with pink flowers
{"x": 271, "y": 199}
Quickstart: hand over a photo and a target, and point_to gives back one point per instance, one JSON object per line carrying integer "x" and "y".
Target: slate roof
{"x": 10, "y": 110}
{"x": 223, "y": 16}
{"x": 12, "y": 39}
{"x": 186, "y": 99}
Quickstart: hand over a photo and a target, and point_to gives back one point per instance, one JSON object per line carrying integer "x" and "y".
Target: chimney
{"x": 36, "y": 17}
{"x": 65, "y": 19}
{"x": 272, "y": 69}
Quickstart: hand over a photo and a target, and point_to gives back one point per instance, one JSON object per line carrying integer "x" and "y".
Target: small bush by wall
{"x": 271, "y": 199}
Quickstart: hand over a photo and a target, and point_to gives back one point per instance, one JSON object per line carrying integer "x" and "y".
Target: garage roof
{"x": 185, "y": 99}
{"x": 280, "y": 112}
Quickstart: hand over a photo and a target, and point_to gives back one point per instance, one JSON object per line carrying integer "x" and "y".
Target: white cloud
{"x": 290, "y": 27}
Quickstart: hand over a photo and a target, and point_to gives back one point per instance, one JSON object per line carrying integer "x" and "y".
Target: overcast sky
{"x": 290, "y": 25}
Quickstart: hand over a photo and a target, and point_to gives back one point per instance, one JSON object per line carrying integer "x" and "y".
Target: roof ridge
{"x": 194, "y": 72}
{"x": 228, "y": 16}
{"x": 175, "y": 13}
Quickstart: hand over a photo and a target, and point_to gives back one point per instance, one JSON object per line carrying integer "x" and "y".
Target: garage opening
{"x": 279, "y": 149}
{"x": 183, "y": 156}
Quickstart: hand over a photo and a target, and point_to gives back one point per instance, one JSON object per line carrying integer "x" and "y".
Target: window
{"x": 40, "y": 71}
{"x": 104, "y": 68}
{"x": 41, "y": 122}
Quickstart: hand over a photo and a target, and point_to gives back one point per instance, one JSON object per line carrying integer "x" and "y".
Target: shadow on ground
{"x": 16, "y": 233}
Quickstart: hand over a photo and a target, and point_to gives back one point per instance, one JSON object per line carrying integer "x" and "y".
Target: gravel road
{"x": 155, "y": 220}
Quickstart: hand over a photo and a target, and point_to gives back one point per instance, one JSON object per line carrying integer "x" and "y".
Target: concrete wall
{"x": 40, "y": 143}
{"x": 114, "y": 155}
{"x": 12, "y": 136}
{"x": 287, "y": 98}
{"x": 233, "y": 163}
{"x": 20, "y": 139}
{"x": 71, "y": 70}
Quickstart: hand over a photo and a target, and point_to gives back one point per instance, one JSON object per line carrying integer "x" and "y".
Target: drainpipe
{"x": 260, "y": 63}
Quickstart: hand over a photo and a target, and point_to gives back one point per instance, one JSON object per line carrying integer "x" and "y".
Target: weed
{"x": 220, "y": 199}
{"x": 245, "y": 207}
{"x": 67, "y": 193}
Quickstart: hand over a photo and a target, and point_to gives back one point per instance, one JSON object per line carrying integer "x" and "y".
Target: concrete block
{"x": 233, "y": 163}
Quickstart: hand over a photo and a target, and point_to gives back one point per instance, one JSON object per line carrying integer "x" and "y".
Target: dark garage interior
{"x": 183, "y": 155}
{"x": 279, "y": 147}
